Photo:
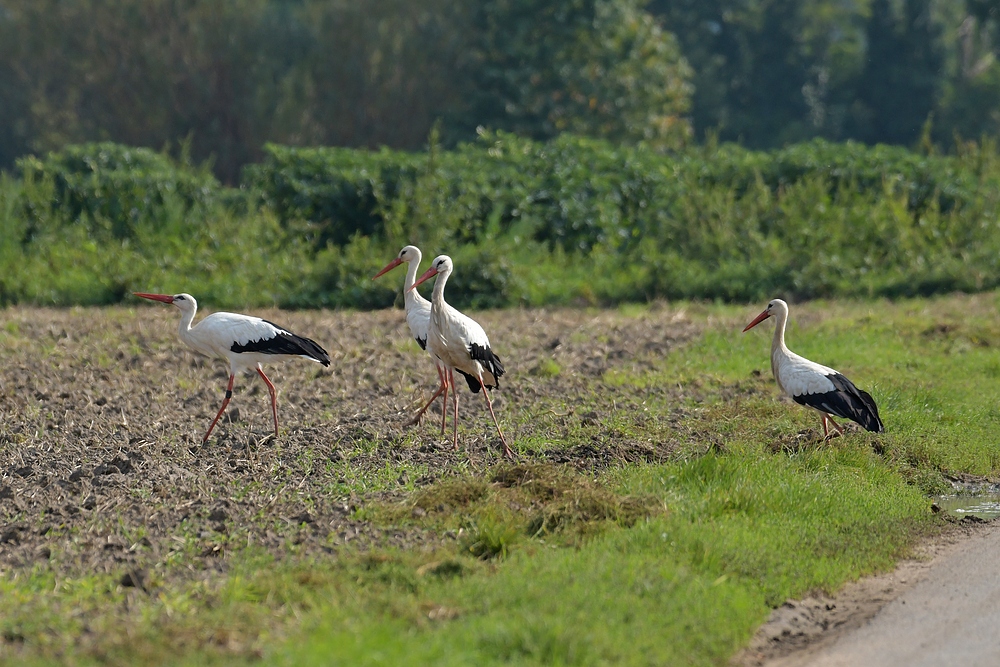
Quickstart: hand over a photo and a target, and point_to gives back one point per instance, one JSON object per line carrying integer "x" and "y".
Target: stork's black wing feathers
{"x": 490, "y": 361}
{"x": 846, "y": 401}
{"x": 285, "y": 343}
{"x": 422, "y": 342}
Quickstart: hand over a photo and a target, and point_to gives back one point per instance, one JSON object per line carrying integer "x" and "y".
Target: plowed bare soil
{"x": 102, "y": 413}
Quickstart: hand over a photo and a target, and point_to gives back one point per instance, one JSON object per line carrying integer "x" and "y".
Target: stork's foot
{"x": 827, "y": 423}
{"x": 414, "y": 420}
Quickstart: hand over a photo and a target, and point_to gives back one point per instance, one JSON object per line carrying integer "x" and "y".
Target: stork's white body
{"x": 243, "y": 340}
{"x": 813, "y": 385}
{"x": 217, "y": 334}
{"x": 418, "y": 315}
{"x": 461, "y": 344}
{"x": 453, "y": 336}
{"x": 796, "y": 375}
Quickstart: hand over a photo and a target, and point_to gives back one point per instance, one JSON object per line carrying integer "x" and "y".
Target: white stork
{"x": 814, "y": 386}
{"x": 418, "y": 316}
{"x": 243, "y": 340}
{"x": 461, "y": 345}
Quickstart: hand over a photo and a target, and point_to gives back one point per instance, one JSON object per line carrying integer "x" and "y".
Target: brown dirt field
{"x": 102, "y": 413}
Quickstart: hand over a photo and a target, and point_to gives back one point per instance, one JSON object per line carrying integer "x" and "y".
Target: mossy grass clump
{"x": 516, "y": 502}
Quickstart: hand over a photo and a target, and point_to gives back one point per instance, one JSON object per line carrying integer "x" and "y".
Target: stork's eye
{"x": 178, "y": 298}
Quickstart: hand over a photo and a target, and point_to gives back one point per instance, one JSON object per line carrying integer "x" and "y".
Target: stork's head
{"x": 441, "y": 264}
{"x": 410, "y": 253}
{"x": 185, "y": 302}
{"x": 774, "y": 307}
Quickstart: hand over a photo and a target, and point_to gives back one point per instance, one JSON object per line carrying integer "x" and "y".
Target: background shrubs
{"x": 570, "y": 220}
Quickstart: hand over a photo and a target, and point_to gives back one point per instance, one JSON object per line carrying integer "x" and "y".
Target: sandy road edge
{"x": 800, "y": 628}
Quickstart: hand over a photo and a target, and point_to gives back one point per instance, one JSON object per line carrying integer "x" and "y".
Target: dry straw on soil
{"x": 102, "y": 411}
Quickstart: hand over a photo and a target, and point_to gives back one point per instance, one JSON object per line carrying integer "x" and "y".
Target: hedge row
{"x": 566, "y": 221}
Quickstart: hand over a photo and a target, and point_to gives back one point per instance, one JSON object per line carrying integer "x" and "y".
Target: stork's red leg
{"x": 454, "y": 400}
{"x": 506, "y": 448}
{"x": 441, "y": 388}
{"x": 274, "y": 398}
{"x": 827, "y": 419}
{"x": 444, "y": 399}
{"x": 225, "y": 402}
{"x": 836, "y": 425}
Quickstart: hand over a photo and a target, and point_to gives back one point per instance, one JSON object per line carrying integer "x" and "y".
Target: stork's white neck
{"x": 778, "y": 342}
{"x": 187, "y": 317}
{"x": 437, "y": 298}
{"x": 411, "y": 296}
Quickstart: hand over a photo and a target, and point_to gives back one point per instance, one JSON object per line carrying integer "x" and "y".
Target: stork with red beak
{"x": 244, "y": 341}
{"x": 418, "y": 317}
{"x": 814, "y": 386}
{"x": 461, "y": 345}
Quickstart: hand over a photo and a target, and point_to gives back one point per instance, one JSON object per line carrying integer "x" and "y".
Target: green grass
{"x": 670, "y": 563}
{"x": 742, "y": 532}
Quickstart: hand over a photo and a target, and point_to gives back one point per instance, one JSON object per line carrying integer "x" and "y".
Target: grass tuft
{"x": 450, "y": 495}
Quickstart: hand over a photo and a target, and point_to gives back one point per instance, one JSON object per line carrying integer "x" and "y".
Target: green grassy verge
{"x": 669, "y": 563}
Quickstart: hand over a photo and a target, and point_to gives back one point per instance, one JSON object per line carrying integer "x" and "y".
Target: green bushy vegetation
{"x": 571, "y": 220}
{"x": 116, "y": 192}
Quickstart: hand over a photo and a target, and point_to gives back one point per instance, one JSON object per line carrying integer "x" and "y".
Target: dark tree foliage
{"x": 752, "y": 62}
{"x": 771, "y": 72}
{"x": 224, "y": 78}
{"x": 601, "y": 68}
{"x": 769, "y": 93}
{"x": 230, "y": 76}
{"x": 896, "y": 91}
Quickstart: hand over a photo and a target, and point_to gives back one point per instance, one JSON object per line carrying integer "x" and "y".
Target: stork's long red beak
{"x": 165, "y": 298}
{"x": 760, "y": 318}
{"x": 429, "y": 273}
{"x": 388, "y": 267}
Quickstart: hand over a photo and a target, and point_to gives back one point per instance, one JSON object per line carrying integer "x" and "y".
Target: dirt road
{"x": 948, "y": 618}
{"x": 940, "y": 608}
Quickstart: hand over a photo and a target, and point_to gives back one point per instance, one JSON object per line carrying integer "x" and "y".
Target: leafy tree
{"x": 228, "y": 75}
{"x": 767, "y": 72}
{"x": 970, "y": 100}
{"x": 602, "y": 68}
{"x": 898, "y": 87}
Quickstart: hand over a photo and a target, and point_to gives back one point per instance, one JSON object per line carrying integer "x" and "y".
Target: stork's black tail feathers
{"x": 311, "y": 349}
{"x": 872, "y": 421}
{"x": 846, "y": 401}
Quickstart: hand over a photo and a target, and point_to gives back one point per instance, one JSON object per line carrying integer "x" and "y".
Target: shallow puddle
{"x": 982, "y": 505}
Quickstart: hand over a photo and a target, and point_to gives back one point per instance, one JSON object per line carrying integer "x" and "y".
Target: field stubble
{"x": 102, "y": 412}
